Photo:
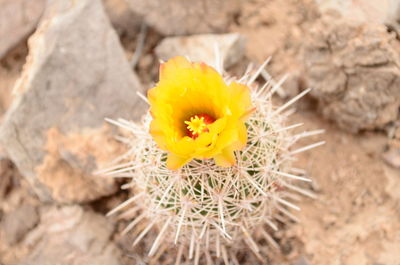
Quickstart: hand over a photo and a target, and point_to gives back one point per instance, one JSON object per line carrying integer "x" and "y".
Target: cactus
{"x": 207, "y": 210}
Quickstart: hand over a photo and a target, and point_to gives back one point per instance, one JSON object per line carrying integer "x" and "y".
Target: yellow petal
{"x": 240, "y": 96}
{"x": 170, "y": 68}
{"x": 217, "y": 129}
{"x": 247, "y": 114}
{"x": 242, "y": 137}
{"x": 157, "y": 132}
{"x": 174, "y": 162}
{"x": 226, "y": 158}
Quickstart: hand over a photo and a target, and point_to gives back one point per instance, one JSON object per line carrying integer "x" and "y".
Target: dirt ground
{"x": 354, "y": 221}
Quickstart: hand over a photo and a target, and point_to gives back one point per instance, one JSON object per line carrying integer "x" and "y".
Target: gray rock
{"x": 355, "y": 72}
{"x": 18, "y": 18}
{"x": 18, "y": 223}
{"x": 72, "y": 236}
{"x": 202, "y": 48}
{"x": 177, "y": 17}
{"x": 76, "y": 75}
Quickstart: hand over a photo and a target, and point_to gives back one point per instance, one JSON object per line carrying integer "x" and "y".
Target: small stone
{"x": 18, "y": 18}
{"x": 202, "y": 48}
{"x": 177, "y": 17}
{"x": 392, "y": 182}
{"x": 286, "y": 247}
{"x": 71, "y": 236}
{"x": 76, "y": 75}
{"x": 301, "y": 261}
{"x": 315, "y": 186}
{"x": 329, "y": 220}
{"x": 19, "y": 222}
{"x": 392, "y": 156}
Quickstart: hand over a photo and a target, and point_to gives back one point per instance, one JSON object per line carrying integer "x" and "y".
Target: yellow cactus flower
{"x": 196, "y": 115}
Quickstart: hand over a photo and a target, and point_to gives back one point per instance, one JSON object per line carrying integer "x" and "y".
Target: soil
{"x": 354, "y": 220}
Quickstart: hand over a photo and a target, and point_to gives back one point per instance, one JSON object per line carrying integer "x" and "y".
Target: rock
{"x": 380, "y": 12}
{"x": 125, "y": 22}
{"x": 392, "y": 181}
{"x": 18, "y": 18}
{"x": 71, "y": 236}
{"x": 301, "y": 261}
{"x": 354, "y": 70}
{"x": 202, "y": 48}
{"x": 329, "y": 220}
{"x": 392, "y": 155}
{"x": 76, "y": 75}
{"x": 176, "y": 17}
{"x": 18, "y": 223}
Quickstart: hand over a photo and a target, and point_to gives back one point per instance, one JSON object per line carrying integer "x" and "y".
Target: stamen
{"x": 197, "y": 124}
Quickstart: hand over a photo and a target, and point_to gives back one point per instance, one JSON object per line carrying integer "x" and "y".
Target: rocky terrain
{"x": 67, "y": 65}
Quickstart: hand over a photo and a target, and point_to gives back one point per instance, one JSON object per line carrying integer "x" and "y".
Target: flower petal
{"x": 242, "y": 137}
{"x": 174, "y": 162}
{"x": 156, "y": 131}
{"x": 226, "y": 158}
{"x": 240, "y": 96}
{"x": 172, "y": 66}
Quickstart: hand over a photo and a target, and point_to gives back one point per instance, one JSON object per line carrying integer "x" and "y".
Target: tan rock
{"x": 18, "y": 18}
{"x": 76, "y": 76}
{"x": 355, "y": 72}
{"x": 71, "y": 236}
{"x": 18, "y": 223}
{"x": 67, "y": 168}
{"x": 202, "y": 48}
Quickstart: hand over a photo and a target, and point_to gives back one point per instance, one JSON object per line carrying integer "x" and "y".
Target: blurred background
{"x": 65, "y": 65}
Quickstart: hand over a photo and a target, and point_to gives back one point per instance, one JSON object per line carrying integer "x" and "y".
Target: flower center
{"x": 197, "y": 124}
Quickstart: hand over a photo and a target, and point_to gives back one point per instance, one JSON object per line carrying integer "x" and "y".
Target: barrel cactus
{"x": 207, "y": 210}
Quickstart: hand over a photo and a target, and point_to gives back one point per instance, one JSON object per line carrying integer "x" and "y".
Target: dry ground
{"x": 354, "y": 221}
